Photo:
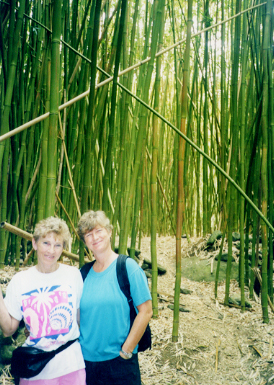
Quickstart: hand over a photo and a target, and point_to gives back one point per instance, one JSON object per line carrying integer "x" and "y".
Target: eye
{"x": 59, "y": 245}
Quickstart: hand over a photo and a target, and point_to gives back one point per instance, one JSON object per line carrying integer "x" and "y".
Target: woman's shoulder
{"x": 24, "y": 273}
{"x": 132, "y": 266}
{"x": 21, "y": 277}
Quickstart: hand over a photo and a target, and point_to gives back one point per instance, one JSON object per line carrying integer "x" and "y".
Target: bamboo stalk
{"x": 258, "y": 275}
{"x": 28, "y": 257}
{"x": 28, "y": 236}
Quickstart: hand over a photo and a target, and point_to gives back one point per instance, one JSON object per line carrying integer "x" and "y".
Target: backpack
{"x": 122, "y": 276}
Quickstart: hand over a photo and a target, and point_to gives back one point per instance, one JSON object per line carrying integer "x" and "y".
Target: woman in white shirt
{"x": 47, "y": 296}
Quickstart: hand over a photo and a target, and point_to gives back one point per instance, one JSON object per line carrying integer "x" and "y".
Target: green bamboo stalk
{"x": 5, "y": 118}
{"x": 89, "y": 127}
{"x": 40, "y": 213}
{"x": 54, "y": 103}
{"x": 206, "y": 208}
{"x": 141, "y": 136}
{"x": 271, "y": 174}
{"x": 223, "y": 128}
{"x": 264, "y": 183}
{"x": 153, "y": 182}
{"x": 242, "y": 118}
{"x": 12, "y": 65}
{"x": 125, "y": 118}
{"x": 109, "y": 156}
{"x": 234, "y": 147}
{"x": 218, "y": 265}
{"x": 181, "y": 160}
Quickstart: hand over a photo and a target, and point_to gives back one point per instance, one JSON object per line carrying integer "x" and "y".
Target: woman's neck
{"x": 102, "y": 262}
{"x": 45, "y": 269}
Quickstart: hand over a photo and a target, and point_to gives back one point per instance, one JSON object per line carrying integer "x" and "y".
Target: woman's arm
{"x": 138, "y": 327}
{"x": 8, "y": 324}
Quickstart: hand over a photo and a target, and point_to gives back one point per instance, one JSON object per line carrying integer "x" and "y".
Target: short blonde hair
{"x": 90, "y": 220}
{"x": 52, "y": 225}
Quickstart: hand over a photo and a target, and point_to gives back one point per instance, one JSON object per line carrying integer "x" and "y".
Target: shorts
{"x": 117, "y": 371}
{"x": 78, "y": 377}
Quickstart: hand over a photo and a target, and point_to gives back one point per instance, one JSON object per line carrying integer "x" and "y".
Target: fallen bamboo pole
{"x": 28, "y": 236}
{"x": 217, "y": 354}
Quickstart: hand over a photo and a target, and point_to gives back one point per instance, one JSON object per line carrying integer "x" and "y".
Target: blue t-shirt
{"x": 104, "y": 310}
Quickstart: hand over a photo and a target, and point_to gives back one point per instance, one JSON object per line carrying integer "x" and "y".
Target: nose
{"x": 51, "y": 249}
{"x": 95, "y": 236}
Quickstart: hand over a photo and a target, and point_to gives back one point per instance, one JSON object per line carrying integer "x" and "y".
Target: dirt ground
{"x": 216, "y": 344}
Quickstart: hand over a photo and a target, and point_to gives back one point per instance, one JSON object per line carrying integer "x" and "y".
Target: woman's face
{"x": 98, "y": 239}
{"x": 49, "y": 250}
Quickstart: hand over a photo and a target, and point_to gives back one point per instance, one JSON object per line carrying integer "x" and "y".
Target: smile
{"x": 96, "y": 243}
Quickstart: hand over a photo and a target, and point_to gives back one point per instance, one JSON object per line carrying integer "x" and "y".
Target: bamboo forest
{"x": 159, "y": 113}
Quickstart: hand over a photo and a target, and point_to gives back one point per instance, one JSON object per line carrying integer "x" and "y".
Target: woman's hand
{"x": 138, "y": 327}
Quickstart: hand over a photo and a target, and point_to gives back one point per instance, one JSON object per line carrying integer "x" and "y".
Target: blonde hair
{"x": 52, "y": 225}
{"x": 90, "y": 220}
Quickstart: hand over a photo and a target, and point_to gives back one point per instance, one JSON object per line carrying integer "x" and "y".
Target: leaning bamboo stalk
{"x": 34, "y": 177}
{"x": 28, "y": 236}
{"x": 67, "y": 214}
{"x": 164, "y": 195}
{"x": 258, "y": 275}
{"x": 62, "y": 130}
{"x": 68, "y": 168}
{"x": 28, "y": 257}
{"x": 88, "y": 252}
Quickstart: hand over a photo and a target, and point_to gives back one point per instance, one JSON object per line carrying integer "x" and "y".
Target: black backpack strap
{"x": 85, "y": 269}
{"x": 122, "y": 276}
{"x": 63, "y": 347}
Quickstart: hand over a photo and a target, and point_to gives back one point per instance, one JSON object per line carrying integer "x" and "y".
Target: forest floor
{"x": 217, "y": 345}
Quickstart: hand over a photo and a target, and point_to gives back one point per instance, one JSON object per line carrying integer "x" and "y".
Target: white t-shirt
{"x": 48, "y": 303}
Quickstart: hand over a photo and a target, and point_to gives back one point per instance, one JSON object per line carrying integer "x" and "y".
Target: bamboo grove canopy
{"x": 158, "y": 112}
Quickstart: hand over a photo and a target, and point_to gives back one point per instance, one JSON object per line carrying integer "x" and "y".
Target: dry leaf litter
{"x": 216, "y": 344}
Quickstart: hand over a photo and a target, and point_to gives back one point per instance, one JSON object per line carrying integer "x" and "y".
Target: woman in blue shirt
{"x": 109, "y": 349}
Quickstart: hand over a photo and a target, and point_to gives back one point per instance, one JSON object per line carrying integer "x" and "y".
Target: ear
{"x": 34, "y": 244}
